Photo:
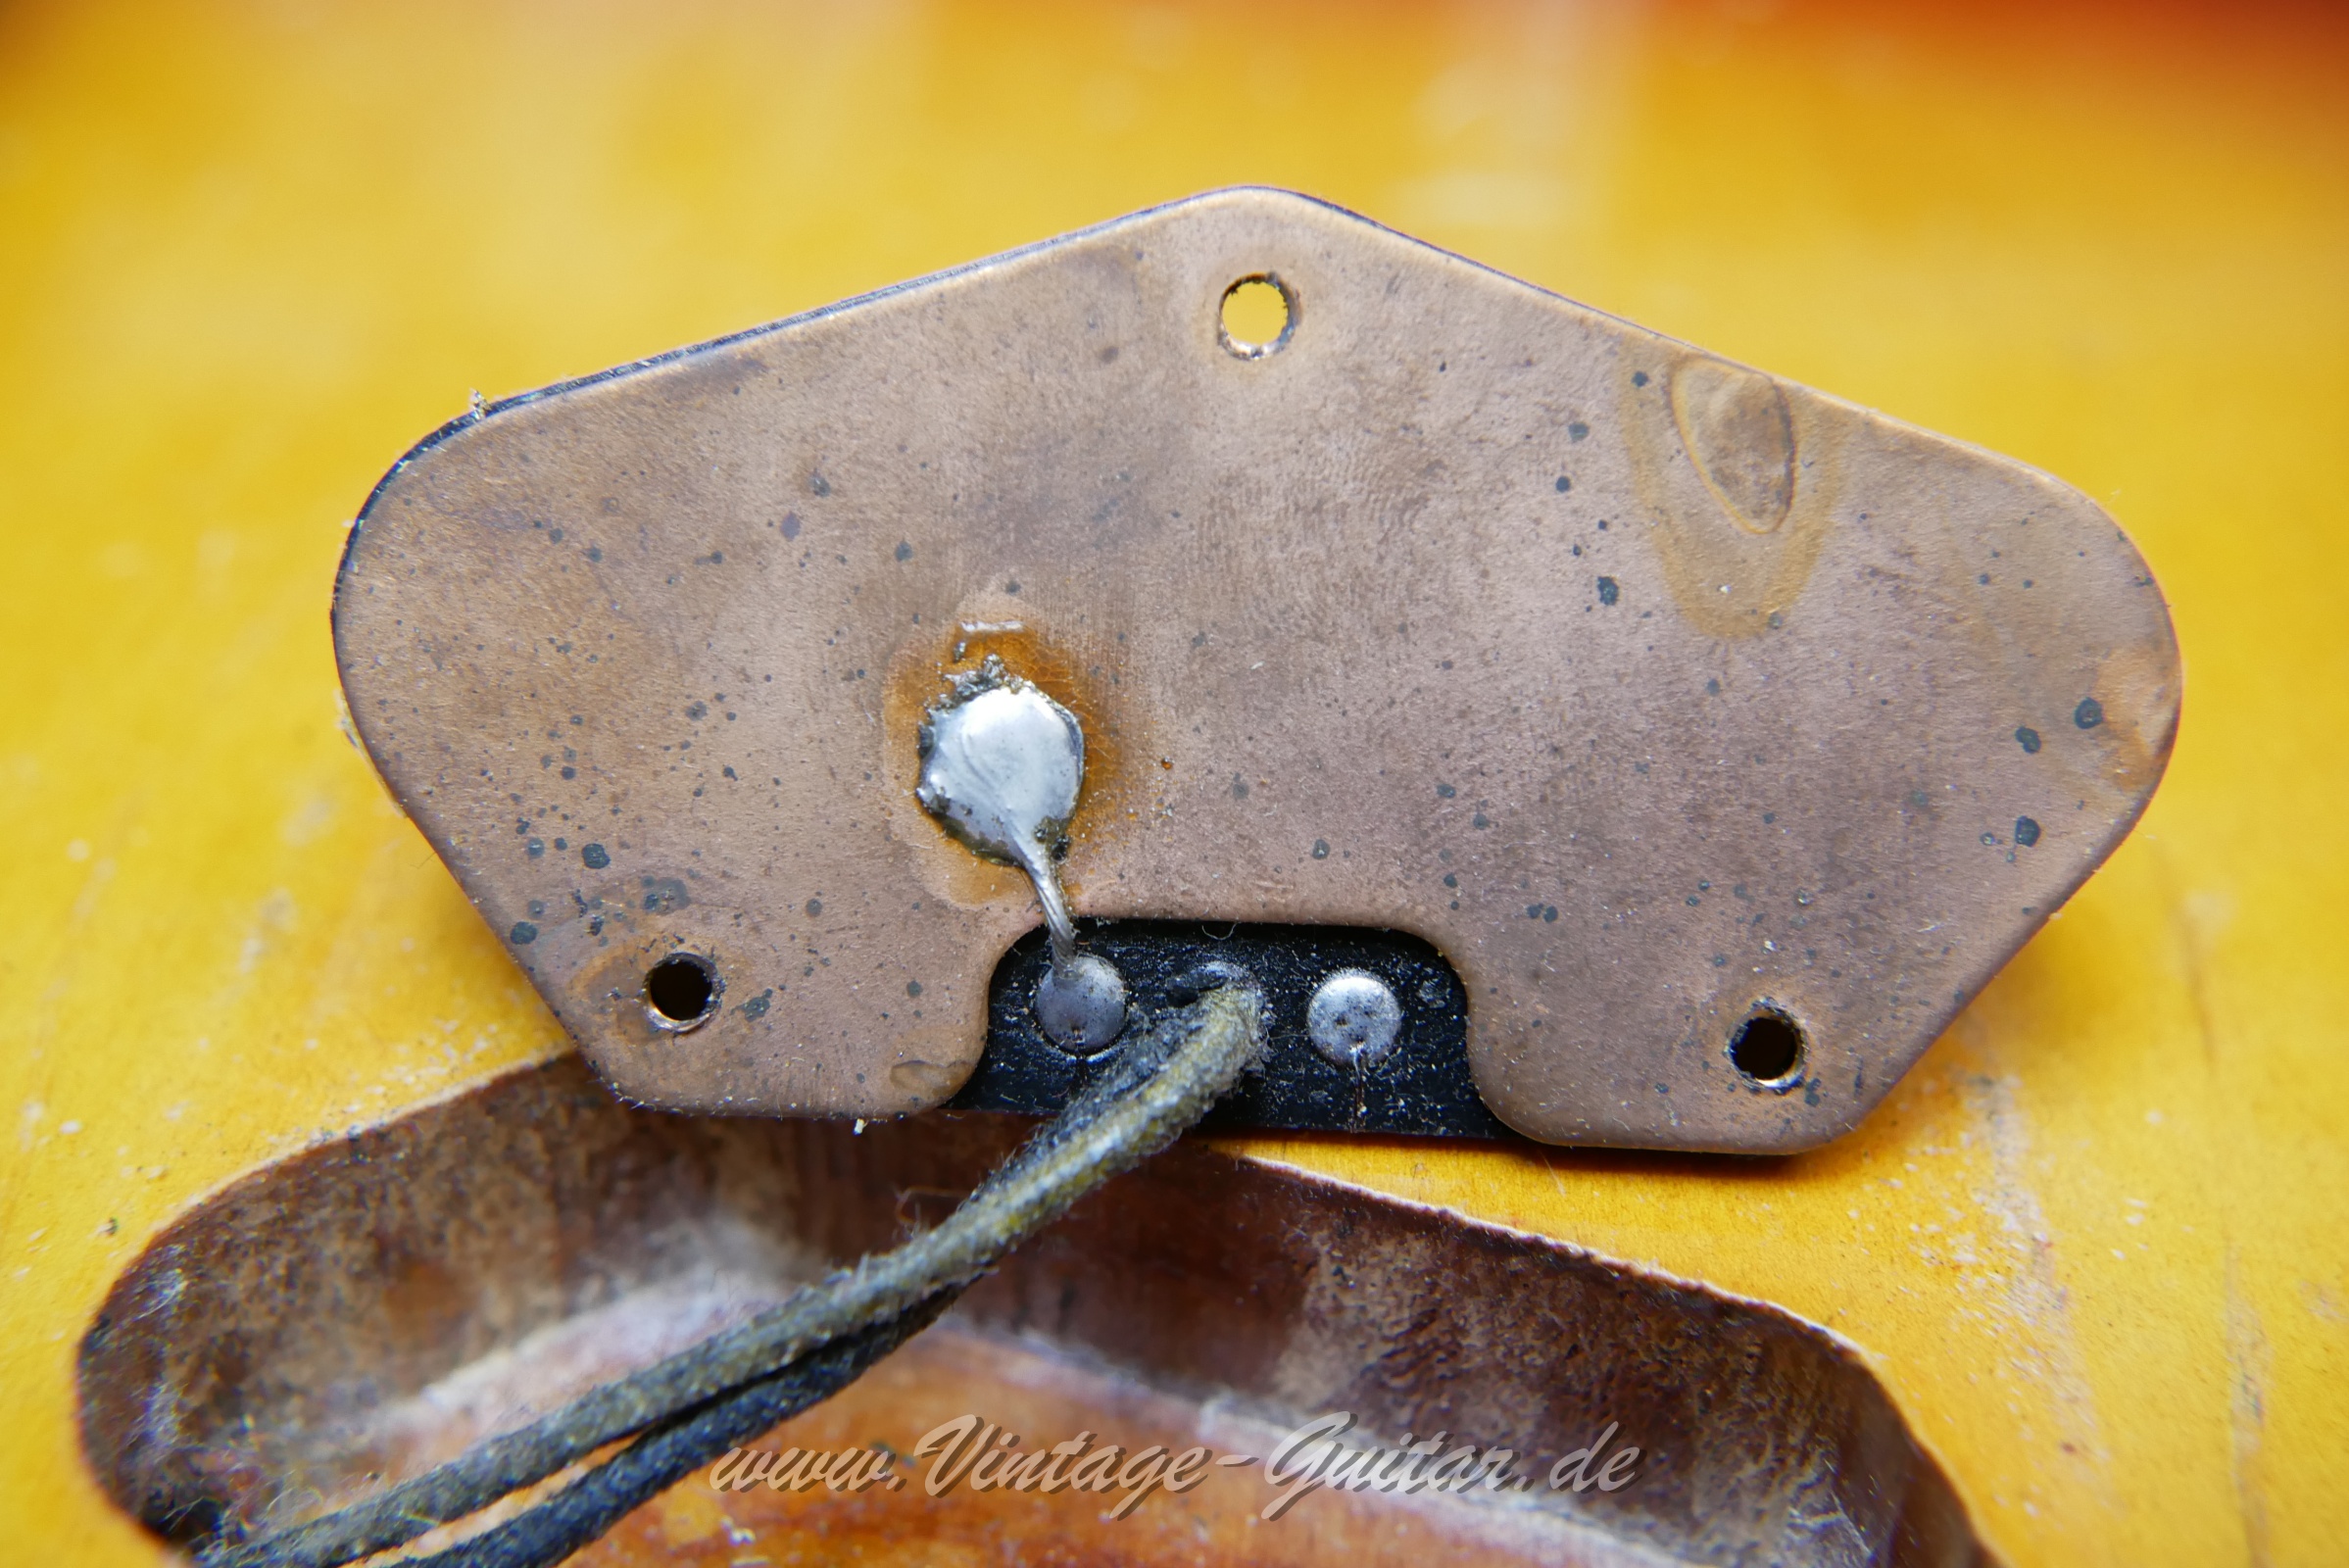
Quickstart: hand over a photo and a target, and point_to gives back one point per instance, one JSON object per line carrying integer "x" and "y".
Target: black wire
{"x": 547, "y": 1532}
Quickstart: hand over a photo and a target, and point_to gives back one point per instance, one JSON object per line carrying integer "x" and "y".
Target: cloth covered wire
{"x": 696, "y": 1404}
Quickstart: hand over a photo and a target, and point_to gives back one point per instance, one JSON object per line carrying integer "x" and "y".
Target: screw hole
{"x": 1258, "y": 317}
{"x": 681, "y": 992}
{"x": 1767, "y": 1049}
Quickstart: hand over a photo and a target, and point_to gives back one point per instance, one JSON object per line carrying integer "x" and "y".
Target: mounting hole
{"x": 1258, "y": 317}
{"x": 681, "y": 992}
{"x": 1767, "y": 1049}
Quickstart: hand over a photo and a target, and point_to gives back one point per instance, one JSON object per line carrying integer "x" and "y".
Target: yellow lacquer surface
{"x": 2095, "y": 1244}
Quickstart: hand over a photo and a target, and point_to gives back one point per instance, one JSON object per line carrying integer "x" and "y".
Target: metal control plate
{"x": 1649, "y": 690}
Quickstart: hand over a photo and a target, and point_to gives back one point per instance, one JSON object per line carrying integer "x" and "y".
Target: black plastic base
{"x": 1421, "y": 1087}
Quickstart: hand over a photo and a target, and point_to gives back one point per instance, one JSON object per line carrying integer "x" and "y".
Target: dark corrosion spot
{"x": 815, "y": 907}
{"x": 1767, "y": 1049}
{"x": 1564, "y": 484}
{"x": 523, "y": 933}
{"x": 697, "y": 709}
{"x": 1577, "y": 430}
{"x": 1638, "y": 379}
{"x": 2028, "y": 738}
{"x": 2090, "y": 713}
{"x": 681, "y": 990}
{"x": 905, "y": 550}
{"x": 594, "y": 857}
{"x": 1321, "y": 849}
{"x": 914, "y": 988}
{"x": 1609, "y": 590}
{"x": 2027, "y": 832}
{"x": 1445, "y": 792}
{"x": 756, "y": 1006}
{"x": 791, "y": 525}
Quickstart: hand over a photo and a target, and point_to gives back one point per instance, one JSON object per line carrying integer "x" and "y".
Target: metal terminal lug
{"x": 1001, "y": 767}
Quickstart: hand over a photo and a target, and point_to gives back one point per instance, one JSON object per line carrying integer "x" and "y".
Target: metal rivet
{"x": 1353, "y": 1018}
{"x": 1081, "y": 1003}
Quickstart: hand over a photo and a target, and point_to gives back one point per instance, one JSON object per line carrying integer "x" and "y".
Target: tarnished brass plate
{"x": 1652, "y": 691}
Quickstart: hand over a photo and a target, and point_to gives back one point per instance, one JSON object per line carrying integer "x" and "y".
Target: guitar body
{"x": 287, "y": 1118}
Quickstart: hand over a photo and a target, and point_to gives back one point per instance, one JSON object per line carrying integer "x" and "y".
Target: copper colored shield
{"x": 1668, "y": 700}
